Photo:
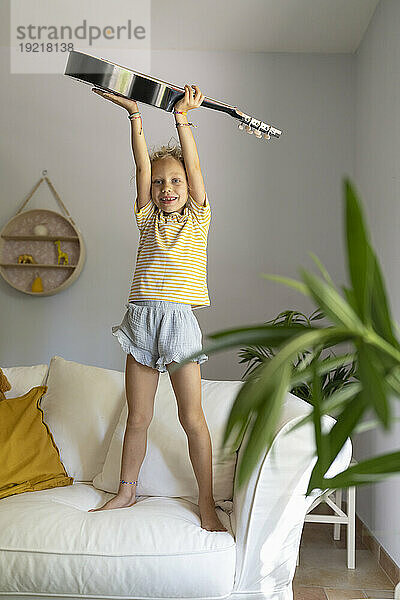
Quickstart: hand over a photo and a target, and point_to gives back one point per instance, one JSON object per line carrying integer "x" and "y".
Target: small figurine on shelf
{"x": 40, "y": 229}
{"x": 37, "y": 285}
{"x": 26, "y": 259}
{"x": 61, "y": 254}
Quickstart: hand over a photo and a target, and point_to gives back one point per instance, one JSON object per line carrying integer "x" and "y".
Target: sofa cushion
{"x": 29, "y": 458}
{"x": 51, "y": 545}
{"x": 23, "y": 379}
{"x": 5, "y": 385}
{"x": 166, "y": 469}
{"x": 82, "y": 407}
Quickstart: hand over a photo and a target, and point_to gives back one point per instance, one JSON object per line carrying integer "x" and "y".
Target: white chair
{"x": 339, "y": 518}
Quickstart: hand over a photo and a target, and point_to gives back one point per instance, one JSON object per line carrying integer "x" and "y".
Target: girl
{"x": 159, "y": 327}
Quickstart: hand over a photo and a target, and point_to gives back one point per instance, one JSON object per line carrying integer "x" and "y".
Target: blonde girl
{"x": 159, "y": 328}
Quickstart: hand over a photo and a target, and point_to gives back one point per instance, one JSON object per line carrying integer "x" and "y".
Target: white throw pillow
{"x": 23, "y": 379}
{"x": 166, "y": 469}
{"x": 81, "y": 407}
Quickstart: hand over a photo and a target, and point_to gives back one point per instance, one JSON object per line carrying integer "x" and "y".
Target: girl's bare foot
{"x": 209, "y": 518}
{"x": 118, "y": 501}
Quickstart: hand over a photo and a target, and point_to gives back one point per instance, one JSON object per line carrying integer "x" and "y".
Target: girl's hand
{"x": 129, "y": 105}
{"x": 191, "y": 99}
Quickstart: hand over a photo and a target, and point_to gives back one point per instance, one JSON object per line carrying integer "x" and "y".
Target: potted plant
{"x": 335, "y": 379}
{"x": 361, "y": 317}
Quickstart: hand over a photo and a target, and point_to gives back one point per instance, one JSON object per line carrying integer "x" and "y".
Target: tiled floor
{"x": 323, "y": 574}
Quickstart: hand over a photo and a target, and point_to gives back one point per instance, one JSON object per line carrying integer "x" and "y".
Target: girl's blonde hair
{"x": 166, "y": 151}
{"x": 173, "y": 151}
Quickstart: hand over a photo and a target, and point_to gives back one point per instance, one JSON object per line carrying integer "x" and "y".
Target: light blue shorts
{"x": 157, "y": 332}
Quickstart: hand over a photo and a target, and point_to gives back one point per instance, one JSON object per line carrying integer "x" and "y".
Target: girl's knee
{"x": 138, "y": 421}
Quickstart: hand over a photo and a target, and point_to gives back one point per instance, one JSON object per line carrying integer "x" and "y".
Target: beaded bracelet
{"x": 122, "y": 481}
{"x": 136, "y": 115}
{"x": 183, "y": 112}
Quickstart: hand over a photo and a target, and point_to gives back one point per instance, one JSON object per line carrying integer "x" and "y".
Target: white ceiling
{"x": 322, "y": 26}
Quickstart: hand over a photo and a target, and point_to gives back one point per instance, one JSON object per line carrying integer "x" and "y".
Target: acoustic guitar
{"x": 133, "y": 85}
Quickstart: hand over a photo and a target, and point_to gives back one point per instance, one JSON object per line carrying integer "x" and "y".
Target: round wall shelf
{"x": 17, "y": 237}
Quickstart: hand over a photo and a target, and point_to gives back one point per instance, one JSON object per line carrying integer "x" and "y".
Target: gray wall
{"x": 272, "y": 202}
{"x": 377, "y": 151}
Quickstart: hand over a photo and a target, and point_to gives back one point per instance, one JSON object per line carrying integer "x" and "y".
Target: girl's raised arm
{"x": 189, "y": 150}
{"x": 139, "y": 147}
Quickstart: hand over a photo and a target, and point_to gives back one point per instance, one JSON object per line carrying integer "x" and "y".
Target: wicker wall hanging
{"x": 41, "y": 251}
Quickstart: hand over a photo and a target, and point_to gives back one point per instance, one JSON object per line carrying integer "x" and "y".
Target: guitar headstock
{"x": 252, "y": 125}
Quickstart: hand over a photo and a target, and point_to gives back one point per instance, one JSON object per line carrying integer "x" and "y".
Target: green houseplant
{"x": 360, "y": 316}
{"x": 331, "y": 381}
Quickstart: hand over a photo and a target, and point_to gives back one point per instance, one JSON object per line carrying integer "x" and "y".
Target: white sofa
{"x": 51, "y": 546}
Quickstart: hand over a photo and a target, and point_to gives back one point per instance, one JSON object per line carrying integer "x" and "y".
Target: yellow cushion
{"x": 29, "y": 457}
{"x": 5, "y": 385}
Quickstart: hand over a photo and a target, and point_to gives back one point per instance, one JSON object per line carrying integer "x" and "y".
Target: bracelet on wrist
{"x": 184, "y": 124}
{"x": 137, "y": 115}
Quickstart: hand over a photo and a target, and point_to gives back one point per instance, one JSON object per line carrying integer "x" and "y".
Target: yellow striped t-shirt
{"x": 171, "y": 262}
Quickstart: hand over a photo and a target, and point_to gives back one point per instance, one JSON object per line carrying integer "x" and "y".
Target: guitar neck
{"x": 207, "y": 102}
{"x": 216, "y": 105}
{"x": 246, "y": 120}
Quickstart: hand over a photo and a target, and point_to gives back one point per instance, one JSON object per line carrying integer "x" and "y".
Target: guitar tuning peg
{"x": 267, "y": 136}
{"x": 241, "y": 126}
{"x": 249, "y": 129}
{"x": 258, "y": 133}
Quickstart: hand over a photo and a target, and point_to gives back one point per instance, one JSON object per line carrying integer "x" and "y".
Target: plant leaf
{"x": 244, "y": 404}
{"x": 267, "y": 335}
{"x": 364, "y": 269}
{"x": 367, "y": 425}
{"x": 332, "y": 303}
{"x": 316, "y": 400}
{"x": 288, "y": 281}
{"x": 368, "y": 471}
{"x": 372, "y": 379}
{"x": 381, "y": 318}
{"x": 359, "y": 254}
{"x": 305, "y": 374}
{"x": 349, "y": 295}
{"x": 336, "y": 437}
{"x": 264, "y": 426}
{"x": 393, "y": 379}
{"x": 323, "y": 270}
{"x": 345, "y": 423}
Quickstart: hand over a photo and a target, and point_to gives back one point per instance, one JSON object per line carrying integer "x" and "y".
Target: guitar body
{"x": 131, "y": 84}
{"x": 122, "y": 81}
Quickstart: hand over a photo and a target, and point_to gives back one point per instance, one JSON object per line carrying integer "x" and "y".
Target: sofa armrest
{"x": 269, "y": 510}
